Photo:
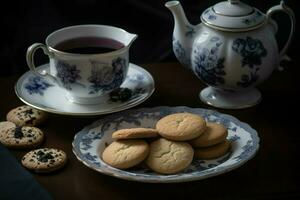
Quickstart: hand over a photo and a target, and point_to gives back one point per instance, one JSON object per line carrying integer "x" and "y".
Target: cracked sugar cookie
{"x": 44, "y": 160}
{"x": 181, "y": 126}
{"x": 26, "y": 116}
{"x": 13, "y": 136}
{"x": 169, "y": 157}
{"x": 123, "y": 154}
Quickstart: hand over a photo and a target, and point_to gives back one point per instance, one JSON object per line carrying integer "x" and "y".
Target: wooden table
{"x": 273, "y": 173}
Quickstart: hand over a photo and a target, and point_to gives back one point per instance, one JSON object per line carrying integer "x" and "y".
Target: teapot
{"x": 232, "y": 50}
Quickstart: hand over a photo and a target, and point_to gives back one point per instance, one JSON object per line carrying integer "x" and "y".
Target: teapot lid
{"x": 233, "y": 16}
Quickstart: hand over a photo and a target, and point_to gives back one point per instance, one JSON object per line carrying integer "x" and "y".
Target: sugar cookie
{"x": 214, "y": 134}
{"x": 169, "y": 157}
{"x": 212, "y": 152}
{"x": 135, "y": 133}
{"x": 181, "y": 126}
{"x": 123, "y": 154}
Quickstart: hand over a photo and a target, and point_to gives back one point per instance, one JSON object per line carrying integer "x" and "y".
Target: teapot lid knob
{"x": 234, "y": 1}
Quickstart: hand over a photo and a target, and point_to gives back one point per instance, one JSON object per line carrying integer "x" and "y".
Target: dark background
{"x": 26, "y": 22}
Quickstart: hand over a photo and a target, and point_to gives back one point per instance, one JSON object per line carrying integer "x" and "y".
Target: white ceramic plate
{"x": 43, "y": 93}
{"x": 89, "y": 144}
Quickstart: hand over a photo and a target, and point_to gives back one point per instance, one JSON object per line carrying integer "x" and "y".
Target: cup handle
{"x": 30, "y": 58}
{"x": 283, "y": 8}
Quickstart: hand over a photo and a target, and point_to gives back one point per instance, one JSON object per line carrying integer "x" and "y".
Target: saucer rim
{"x": 119, "y": 108}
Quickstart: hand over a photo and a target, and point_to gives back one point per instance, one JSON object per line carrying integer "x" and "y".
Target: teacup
{"x": 86, "y": 60}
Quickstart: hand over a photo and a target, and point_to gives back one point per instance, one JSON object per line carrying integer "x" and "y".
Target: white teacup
{"x": 78, "y": 67}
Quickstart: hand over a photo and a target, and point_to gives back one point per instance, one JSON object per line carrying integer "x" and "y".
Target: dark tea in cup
{"x": 89, "y": 45}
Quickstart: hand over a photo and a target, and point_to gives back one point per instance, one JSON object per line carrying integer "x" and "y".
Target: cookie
{"x": 44, "y": 160}
{"x": 213, "y": 152}
{"x": 135, "y": 133}
{"x": 181, "y": 126}
{"x": 214, "y": 134}
{"x": 20, "y": 137}
{"x": 26, "y": 116}
{"x": 4, "y": 126}
{"x": 123, "y": 154}
{"x": 169, "y": 157}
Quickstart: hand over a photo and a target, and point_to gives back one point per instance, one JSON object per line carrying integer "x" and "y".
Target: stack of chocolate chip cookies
{"x": 178, "y": 139}
{"x": 18, "y": 132}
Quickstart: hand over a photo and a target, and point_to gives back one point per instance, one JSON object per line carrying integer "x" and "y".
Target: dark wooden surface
{"x": 274, "y": 173}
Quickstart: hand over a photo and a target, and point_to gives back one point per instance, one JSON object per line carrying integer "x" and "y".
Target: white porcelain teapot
{"x": 232, "y": 50}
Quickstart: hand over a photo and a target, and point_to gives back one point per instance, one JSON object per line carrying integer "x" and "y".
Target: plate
{"x": 89, "y": 144}
{"x": 43, "y": 93}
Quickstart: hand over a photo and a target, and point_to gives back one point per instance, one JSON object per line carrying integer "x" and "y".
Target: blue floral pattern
{"x": 247, "y": 149}
{"x": 92, "y": 158}
{"x": 253, "y": 19}
{"x": 252, "y": 52}
{"x": 208, "y": 66}
{"x": 36, "y": 85}
{"x": 234, "y": 138}
{"x": 104, "y": 77}
{"x": 244, "y": 139}
{"x": 248, "y": 80}
{"x": 210, "y": 14}
{"x": 181, "y": 53}
{"x": 190, "y": 32}
{"x": 212, "y": 17}
{"x": 125, "y": 94}
{"x": 68, "y": 74}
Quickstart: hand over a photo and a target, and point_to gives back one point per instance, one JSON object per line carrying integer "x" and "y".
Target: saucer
{"x": 43, "y": 93}
{"x": 90, "y": 142}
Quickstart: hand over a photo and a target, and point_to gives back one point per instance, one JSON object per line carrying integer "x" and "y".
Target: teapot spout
{"x": 183, "y": 35}
{"x": 179, "y": 16}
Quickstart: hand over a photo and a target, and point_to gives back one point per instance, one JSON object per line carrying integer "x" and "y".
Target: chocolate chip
{"x": 29, "y": 131}
{"x": 45, "y": 157}
{"x": 30, "y": 141}
{"x": 29, "y": 135}
{"x": 23, "y": 158}
{"x": 31, "y": 160}
{"x": 40, "y": 153}
{"x": 28, "y": 112}
{"x": 18, "y": 132}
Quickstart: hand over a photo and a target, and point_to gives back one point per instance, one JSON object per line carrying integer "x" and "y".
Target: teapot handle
{"x": 283, "y": 8}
